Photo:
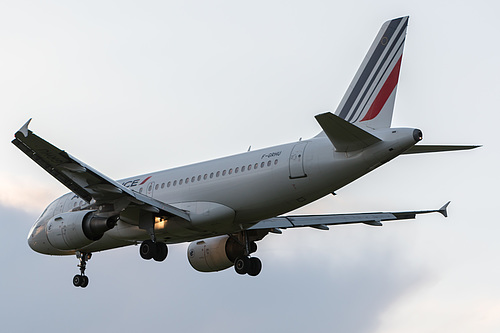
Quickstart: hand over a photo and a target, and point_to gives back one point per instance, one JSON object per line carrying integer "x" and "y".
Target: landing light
{"x": 160, "y": 222}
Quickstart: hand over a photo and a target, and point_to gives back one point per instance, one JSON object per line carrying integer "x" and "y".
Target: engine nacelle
{"x": 214, "y": 254}
{"x": 74, "y": 230}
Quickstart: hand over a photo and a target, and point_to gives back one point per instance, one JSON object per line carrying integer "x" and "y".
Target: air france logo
{"x": 135, "y": 182}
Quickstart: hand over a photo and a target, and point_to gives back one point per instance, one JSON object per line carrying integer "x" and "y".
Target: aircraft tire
{"x": 161, "y": 252}
{"x": 241, "y": 265}
{"x": 77, "y": 280}
{"x": 85, "y": 281}
{"x": 253, "y": 247}
{"x": 255, "y": 266}
{"x": 147, "y": 250}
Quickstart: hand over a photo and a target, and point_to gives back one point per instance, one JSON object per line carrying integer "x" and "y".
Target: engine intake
{"x": 74, "y": 230}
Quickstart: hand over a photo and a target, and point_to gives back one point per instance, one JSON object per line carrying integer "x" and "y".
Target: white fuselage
{"x": 230, "y": 194}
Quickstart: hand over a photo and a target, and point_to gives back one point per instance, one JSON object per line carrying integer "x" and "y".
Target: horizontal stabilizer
{"x": 420, "y": 149}
{"x": 344, "y": 135}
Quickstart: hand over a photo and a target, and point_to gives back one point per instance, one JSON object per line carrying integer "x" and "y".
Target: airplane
{"x": 224, "y": 206}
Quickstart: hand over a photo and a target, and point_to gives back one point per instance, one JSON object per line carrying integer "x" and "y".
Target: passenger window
{"x": 157, "y": 186}
{"x": 162, "y": 185}
{"x": 199, "y": 177}
{"x": 224, "y": 172}
{"x": 180, "y": 182}
{"x": 275, "y": 162}
{"x": 217, "y": 174}
{"x": 262, "y": 164}
{"x": 256, "y": 165}
{"x": 211, "y": 175}
{"x": 168, "y": 184}
{"x": 243, "y": 169}
{"x": 237, "y": 169}
{"x": 175, "y": 182}
{"x": 187, "y": 180}
{"x": 249, "y": 167}
{"x": 268, "y": 163}
{"x": 140, "y": 190}
{"x": 205, "y": 176}
{"x": 193, "y": 179}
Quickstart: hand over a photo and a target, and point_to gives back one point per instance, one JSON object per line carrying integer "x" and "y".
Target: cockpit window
{"x": 49, "y": 211}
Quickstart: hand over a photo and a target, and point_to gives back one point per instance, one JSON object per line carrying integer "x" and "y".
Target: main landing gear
{"x": 153, "y": 250}
{"x": 81, "y": 280}
{"x": 245, "y": 264}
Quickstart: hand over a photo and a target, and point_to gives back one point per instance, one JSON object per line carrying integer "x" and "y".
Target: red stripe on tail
{"x": 384, "y": 93}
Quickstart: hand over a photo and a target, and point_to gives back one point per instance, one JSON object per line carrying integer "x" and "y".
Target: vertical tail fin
{"x": 369, "y": 100}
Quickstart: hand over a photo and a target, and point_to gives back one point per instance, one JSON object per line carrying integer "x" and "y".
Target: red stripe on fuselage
{"x": 384, "y": 93}
{"x": 145, "y": 180}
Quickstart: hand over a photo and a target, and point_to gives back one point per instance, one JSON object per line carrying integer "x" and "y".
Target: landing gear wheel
{"x": 147, "y": 249}
{"x": 161, "y": 251}
{"x": 255, "y": 266}
{"x": 85, "y": 281}
{"x": 77, "y": 280}
{"x": 241, "y": 265}
{"x": 252, "y": 247}
{"x": 80, "y": 281}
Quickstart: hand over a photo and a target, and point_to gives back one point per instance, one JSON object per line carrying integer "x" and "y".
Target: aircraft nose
{"x": 37, "y": 239}
{"x": 32, "y": 242}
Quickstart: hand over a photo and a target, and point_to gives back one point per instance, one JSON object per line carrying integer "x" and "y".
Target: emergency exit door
{"x": 297, "y": 161}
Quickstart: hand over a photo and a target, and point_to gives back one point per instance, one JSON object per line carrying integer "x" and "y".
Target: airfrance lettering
{"x": 273, "y": 154}
{"x": 131, "y": 183}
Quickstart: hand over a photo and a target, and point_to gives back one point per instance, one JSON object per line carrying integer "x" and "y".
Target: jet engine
{"x": 214, "y": 254}
{"x": 74, "y": 230}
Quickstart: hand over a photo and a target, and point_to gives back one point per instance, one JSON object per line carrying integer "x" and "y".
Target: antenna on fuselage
{"x": 249, "y": 148}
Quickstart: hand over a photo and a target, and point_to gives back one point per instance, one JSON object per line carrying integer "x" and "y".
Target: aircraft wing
{"x": 86, "y": 182}
{"x": 323, "y": 221}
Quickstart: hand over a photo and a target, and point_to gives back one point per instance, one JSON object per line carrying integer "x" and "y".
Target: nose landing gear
{"x": 81, "y": 280}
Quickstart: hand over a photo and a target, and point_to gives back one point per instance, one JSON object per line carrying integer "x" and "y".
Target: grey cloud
{"x": 316, "y": 292}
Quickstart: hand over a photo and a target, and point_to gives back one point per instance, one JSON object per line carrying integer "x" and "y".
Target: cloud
{"x": 27, "y": 193}
{"x": 320, "y": 290}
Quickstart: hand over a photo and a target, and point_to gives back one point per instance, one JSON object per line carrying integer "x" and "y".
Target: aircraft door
{"x": 297, "y": 161}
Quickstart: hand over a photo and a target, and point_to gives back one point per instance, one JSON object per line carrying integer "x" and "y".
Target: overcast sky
{"x": 131, "y": 87}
